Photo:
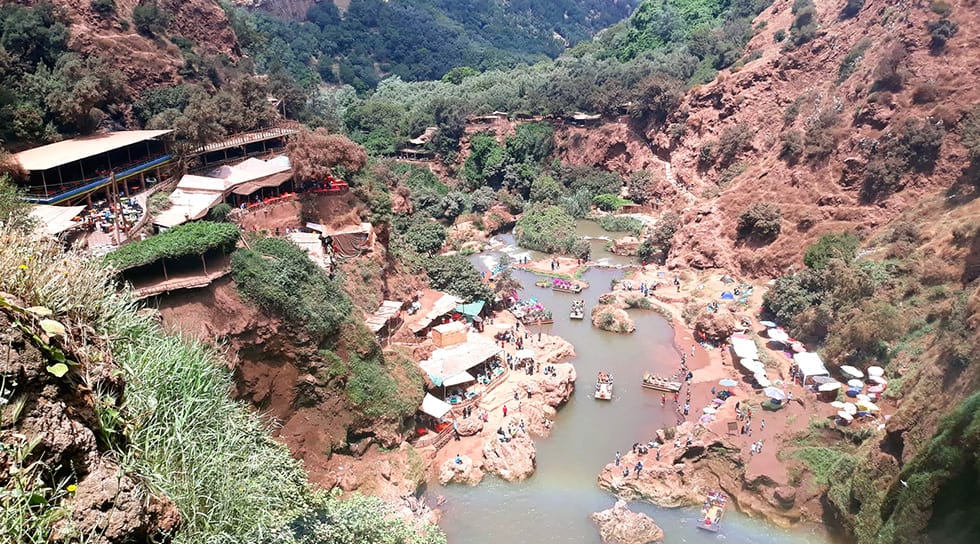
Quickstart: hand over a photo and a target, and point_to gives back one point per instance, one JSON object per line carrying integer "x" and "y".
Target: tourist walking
{"x": 617, "y": 458}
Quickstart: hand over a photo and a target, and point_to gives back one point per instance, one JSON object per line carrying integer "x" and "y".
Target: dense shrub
{"x": 425, "y": 236}
{"x": 760, "y": 220}
{"x": 642, "y": 185}
{"x": 103, "y": 7}
{"x": 925, "y": 93}
{"x": 455, "y": 275}
{"x": 545, "y": 228}
{"x": 189, "y": 239}
{"x": 621, "y": 223}
{"x": 851, "y": 8}
{"x": 940, "y": 32}
{"x": 149, "y": 18}
{"x": 831, "y": 246}
{"x": 890, "y": 74}
{"x": 482, "y": 199}
{"x": 656, "y": 247}
{"x": 220, "y": 212}
{"x": 779, "y": 35}
{"x": 820, "y": 138}
{"x": 851, "y": 59}
{"x": 804, "y": 25}
{"x": 595, "y": 180}
{"x": 372, "y": 387}
{"x": 916, "y": 147}
{"x": 277, "y": 275}
{"x": 532, "y": 142}
{"x": 546, "y": 189}
{"x": 610, "y": 202}
{"x": 970, "y": 132}
{"x": 733, "y": 140}
{"x": 793, "y": 146}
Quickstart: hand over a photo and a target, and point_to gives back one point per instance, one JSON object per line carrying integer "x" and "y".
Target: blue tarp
{"x": 727, "y": 296}
{"x": 470, "y": 310}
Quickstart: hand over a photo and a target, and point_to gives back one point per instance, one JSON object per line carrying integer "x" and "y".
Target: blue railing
{"x": 99, "y": 183}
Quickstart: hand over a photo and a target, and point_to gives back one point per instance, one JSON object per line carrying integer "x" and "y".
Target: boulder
{"x": 513, "y": 461}
{"x": 620, "y": 524}
{"x": 463, "y": 472}
{"x": 785, "y": 496}
{"x": 610, "y": 318}
{"x": 470, "y": 426}
{"x": 627, "y": 246}
{"x": 716, "y": 326}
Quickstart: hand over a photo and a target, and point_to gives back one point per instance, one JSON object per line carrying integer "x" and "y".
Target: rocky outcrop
{"x": 612, "y": 319}
{"x": 462, "y": 472}
{"x": 470, "y": 426}
{"x": 513, "y": 460}
{"x": 627, "y": 245}
{"x": 621, "y": 525}
{"x": 553, "y": 391}
{"x": 715, "y": 326}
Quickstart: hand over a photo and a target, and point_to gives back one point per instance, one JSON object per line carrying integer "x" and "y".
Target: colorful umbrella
{"x": 728, "y": 382}
{"x": 845, "y": 416}
{"x": 850, "y": 408}
{"x": 774, "y": 393}
{"x": 868, "y": 405}
{"x": 767, "y": 324}
{"x": 864, "y": 397}
{"x": 852, "y": 371}
{"x": 878, "y": 380}
{"x": 855, "y": 383}
{"x": 876, "y": 371}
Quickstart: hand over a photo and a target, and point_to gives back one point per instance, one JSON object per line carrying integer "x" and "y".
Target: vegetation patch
{"x": 196, "y": 238}
{"x": 278, "y": 276}
{"x": 621, "y": 223}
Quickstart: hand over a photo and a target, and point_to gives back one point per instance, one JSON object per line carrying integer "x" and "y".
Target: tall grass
{"x": 188, "y": 439}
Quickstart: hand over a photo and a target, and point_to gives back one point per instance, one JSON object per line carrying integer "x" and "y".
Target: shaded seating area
{"x": 463, "y": 372}
{"x": 184, "y": 257}
{"x": 76, "y": 169}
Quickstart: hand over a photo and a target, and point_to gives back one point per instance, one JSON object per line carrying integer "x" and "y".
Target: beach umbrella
{"x": 822, "y": 379}
{"x": 728, "y": 382}
{"x": 850, "y": 408}
{"x": 876, "y": 371}
{"x": 867, "y": 405}
{"x": 851, "y": 371}
{"x": 845, "y": 416}
{"x": 877, "y": 389}
{"x": 767, "y": 324}
{"x": 762, "y": 380}
{"x": 864, "y": 397}
{"x": 774, "y": 393}
{"x": 878, "y": 380}
{"x": 838, "y": 404}
{"x": 777, "y": 335}
{"x": 709, "y": 410}
{"x": 797, "y": 347}
{"x": 752, "y": 365}
{"x": 832, "y": 386}
{"x": 855, "y": 383}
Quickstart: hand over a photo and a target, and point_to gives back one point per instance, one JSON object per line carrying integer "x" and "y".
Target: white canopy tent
{"x": 447, "y": 363}
{"x": 810, "y": 365}
{"x": 54, "y": 220}
{"x": 434, "y": 407}
{"x": 744, "y": 347}
{"x": 456, "y": 379}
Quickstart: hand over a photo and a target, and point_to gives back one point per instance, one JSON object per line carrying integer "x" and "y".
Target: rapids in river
{"x": 553, "y": 506}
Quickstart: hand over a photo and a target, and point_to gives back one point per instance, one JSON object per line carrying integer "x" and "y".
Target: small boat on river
{"x": 712, "y": 511}
{"x": 542, "y": 283}
{"x": 659, "y": 383}
{"x": 604, "y": 386}
{"x": 578, "y": 310}
{"x": 565, "y": 286}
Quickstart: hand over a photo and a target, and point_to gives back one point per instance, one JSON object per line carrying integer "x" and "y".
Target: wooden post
{"x": 205, "y": 263}
{"x": 164, "y": 263}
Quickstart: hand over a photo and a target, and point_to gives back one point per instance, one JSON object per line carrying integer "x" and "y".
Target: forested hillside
{"x": 417, "y": 40}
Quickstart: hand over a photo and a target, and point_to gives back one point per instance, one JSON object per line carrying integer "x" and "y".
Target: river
{"x": 553, "y": 506}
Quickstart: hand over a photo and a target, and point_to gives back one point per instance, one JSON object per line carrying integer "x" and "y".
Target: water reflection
{"x": 554, "y": 504}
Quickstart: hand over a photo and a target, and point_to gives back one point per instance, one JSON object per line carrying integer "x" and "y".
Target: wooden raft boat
{"x": 578, "y": 310}
{"x": 658, "y": 383}
{"x": 573, "y": 288}
{"x": 712, "y": 511}
{"x": 604, "y": 386}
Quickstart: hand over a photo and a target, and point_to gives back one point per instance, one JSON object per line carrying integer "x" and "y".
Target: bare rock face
{"x": 470, "y": 426}
{"x": 627, "y": 245}
{"x": 462, "y": 472}
{"x": 717, "y": 326}
{"x": 612, "y": 319}
{"x": 513, "y": 460}
{"x": 553, "y": 391}
{"x": 620, "y": 524}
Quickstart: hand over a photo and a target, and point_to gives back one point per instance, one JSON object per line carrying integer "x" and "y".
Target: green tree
{"x": 545, "y": 228}
{"x": 455, "y": 275}
{"x": 14, "y": 210}
{"x": 458, "y": 74}
{"x": 149, "y": 18}
{"x": 761, "y": 220}
{"x": 841, "y": 246}
{"x": 426, "y": 236}
{"x": 546, "y": 189}
{"x": 532, "y": 142}
{"x": 485, "y": 162}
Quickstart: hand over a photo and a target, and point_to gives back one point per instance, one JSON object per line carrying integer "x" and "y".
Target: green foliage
{"x": 890, "y": 73}
{"x": 103, "y": 7}
{"x": 455, "y": 275}
{"x": 458, "y": 74}
{"x": 940, "y": 482}
{"x": 656, "y": 247}
{"x": 149, "y": 18}
{"x": 373, "y": 387}
{"x": 805, "y": 22}
{"x": 532, "y": 142}
{"x": 594, "y": 180}
{"x": 779, "y": 35}
{"x": 185, "y": 240}
{"x": 940, "y": 32}
{"x": 733, "y": 140}
{"x": 760, "y": 220}
{"x": 545, "y": 189}
{"x": 851, "y": 8}
{"x": 852, "y": 58}
{"x": 915, "y": 147}
{"x": 793, "y": 146}
{"x": 970, "y": 132}
{"x": 822, "y": 462}
{"x": 485, "y": 162}
{"x": 545, "y": 228}
{"x": 820, "y": 138}
{"x": 357, "y": 520}
{"x": 426, "y": 236}
{"x": 642, "y": 185}
{"x": 610, "y": 203}
{"x": 277, "y": 275}
{"x": 831, "y": 246}
{"x": 621, "y": 223}
{"x": 220, "y": 213}
{"x": 14, "y": 210}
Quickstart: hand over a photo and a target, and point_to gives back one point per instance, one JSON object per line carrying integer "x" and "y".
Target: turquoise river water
{"x": 553, "y": 506}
